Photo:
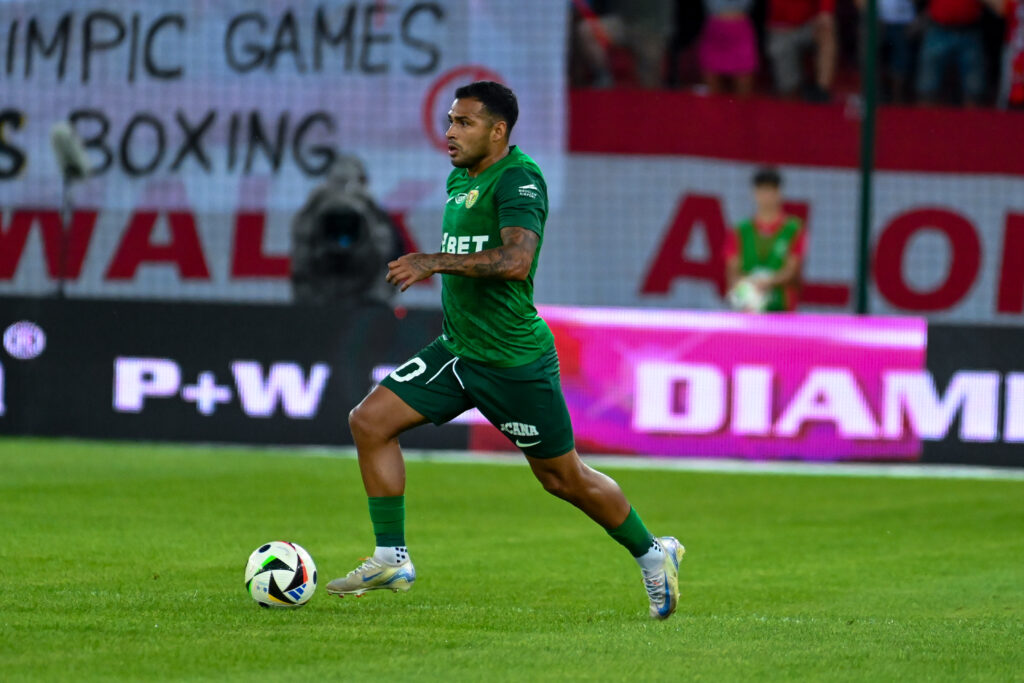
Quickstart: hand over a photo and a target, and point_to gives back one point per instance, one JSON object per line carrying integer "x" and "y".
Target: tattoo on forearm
{"x": 499, "y": 262}
{"x": 509, "y": 261}
{"x": 490, "y": 263}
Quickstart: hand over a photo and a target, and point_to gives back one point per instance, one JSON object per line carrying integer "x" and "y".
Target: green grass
{"x": 125, "y": 561}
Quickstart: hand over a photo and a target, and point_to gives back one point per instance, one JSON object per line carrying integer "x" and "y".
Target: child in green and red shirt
{"x": 764, "y": 254}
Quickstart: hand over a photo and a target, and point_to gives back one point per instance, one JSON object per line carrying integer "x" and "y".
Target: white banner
{"x": 630, "y": 231}
{"x": 645, "y": 231}
{"x": 199, "y": 115}
{"x": 642, "y": 231}
{"x": 211, "y": 123}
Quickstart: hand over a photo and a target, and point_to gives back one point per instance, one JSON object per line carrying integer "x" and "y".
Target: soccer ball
{"x": 280, "y": 574}
{"x": 747, "y": 297}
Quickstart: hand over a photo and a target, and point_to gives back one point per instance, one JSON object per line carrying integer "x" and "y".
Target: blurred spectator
{"x": 931, "y": 49}
{"x": 728, "y": 46}
{"x": 764, "y": 254}
{"x": 682, "y": 66}
{"x": 794, "y": 26}
{"x": 897, "y": 38}
{"x": 1011, "y": 80}
{"x": 642, "y": 27}
{"x": 953, "y": 37}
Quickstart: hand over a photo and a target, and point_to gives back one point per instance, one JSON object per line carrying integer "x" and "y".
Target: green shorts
{"x": 525, "y": 402}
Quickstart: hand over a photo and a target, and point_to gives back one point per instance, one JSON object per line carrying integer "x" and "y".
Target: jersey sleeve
{"x": 521, "y": 197}
{"x": 799, "y": 247}
{"x": 731, "y": 248}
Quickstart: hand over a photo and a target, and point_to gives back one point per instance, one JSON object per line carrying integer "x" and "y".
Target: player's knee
{"x": 564, "y": 477}
{"x": 556, "y": 483}
{"x": 356, "y": 422}
{"x": 363, "y": 426}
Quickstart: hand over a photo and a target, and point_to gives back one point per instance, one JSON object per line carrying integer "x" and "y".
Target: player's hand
{"x": 762, "y": 282}
{"x": 409, "y": 269}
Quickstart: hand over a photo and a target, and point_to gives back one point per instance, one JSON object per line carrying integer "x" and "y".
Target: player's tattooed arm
{"x": 511, "y": 261}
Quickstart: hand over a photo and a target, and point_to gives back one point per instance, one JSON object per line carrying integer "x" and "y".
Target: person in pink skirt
{"x": 728, "y": 46}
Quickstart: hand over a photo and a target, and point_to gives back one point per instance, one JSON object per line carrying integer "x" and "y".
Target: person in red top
{"x": 1011, "y": 80}
{"x": 764, "y": 255}
{"x": 793, "y": 27}
{"x": 953, "y": 37}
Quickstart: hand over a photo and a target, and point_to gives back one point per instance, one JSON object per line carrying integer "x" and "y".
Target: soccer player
{"x": 495, "y": 354}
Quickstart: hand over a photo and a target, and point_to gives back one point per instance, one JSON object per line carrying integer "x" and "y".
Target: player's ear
{"x": 499, "y": 130}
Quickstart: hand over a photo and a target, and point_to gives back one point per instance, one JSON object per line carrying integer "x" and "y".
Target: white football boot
{"x": 373, "y": 575}
{"x": 662, "y": 584}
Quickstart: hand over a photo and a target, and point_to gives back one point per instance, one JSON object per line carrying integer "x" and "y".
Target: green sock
{"x": 633, "y": 535}
{"x": 388, "y": 516}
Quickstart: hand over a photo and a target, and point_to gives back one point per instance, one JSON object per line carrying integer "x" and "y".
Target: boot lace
{"x": 367, "y": 564}
{"x": 655, "y": 585}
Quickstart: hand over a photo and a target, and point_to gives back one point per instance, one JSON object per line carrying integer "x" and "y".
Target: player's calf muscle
{"x": 596, "y": 494}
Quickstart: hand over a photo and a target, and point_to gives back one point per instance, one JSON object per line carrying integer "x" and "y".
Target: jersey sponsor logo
{"x": 451, "y": 244}
{"x": 531, "y": 191}
{"x": 471, "y": 198}
{"x": 519, "y": 429}
{"x": 531, "y": 186}
{"x": 459, "y": 198}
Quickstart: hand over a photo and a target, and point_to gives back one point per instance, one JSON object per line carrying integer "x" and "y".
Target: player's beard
{"x": 467, "y": 158}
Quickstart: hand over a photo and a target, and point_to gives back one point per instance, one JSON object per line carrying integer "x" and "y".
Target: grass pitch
{"x": 126, "y": 562}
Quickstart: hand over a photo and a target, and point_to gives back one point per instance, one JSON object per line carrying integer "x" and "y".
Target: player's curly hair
{"x": 498, "y": 99}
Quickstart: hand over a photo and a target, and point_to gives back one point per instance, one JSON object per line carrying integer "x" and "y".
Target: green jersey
{"x": 487, "y": 320}
{"x": 769, "y": 253}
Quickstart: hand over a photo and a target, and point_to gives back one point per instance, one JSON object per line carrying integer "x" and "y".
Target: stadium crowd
{"x": 950, "y": 52}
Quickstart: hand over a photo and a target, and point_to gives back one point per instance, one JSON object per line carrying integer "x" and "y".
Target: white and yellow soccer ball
{"x": 280, "y": 574}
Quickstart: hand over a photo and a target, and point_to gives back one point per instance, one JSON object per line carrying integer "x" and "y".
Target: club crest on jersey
{"x": 471, "y": 198}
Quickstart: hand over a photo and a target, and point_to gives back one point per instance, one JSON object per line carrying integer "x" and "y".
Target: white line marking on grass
{"x": 714, "y": 465}
{"x": 815, "y": 469}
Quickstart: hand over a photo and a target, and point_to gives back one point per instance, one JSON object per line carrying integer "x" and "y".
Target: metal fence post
{"x": 869, "y": 89}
